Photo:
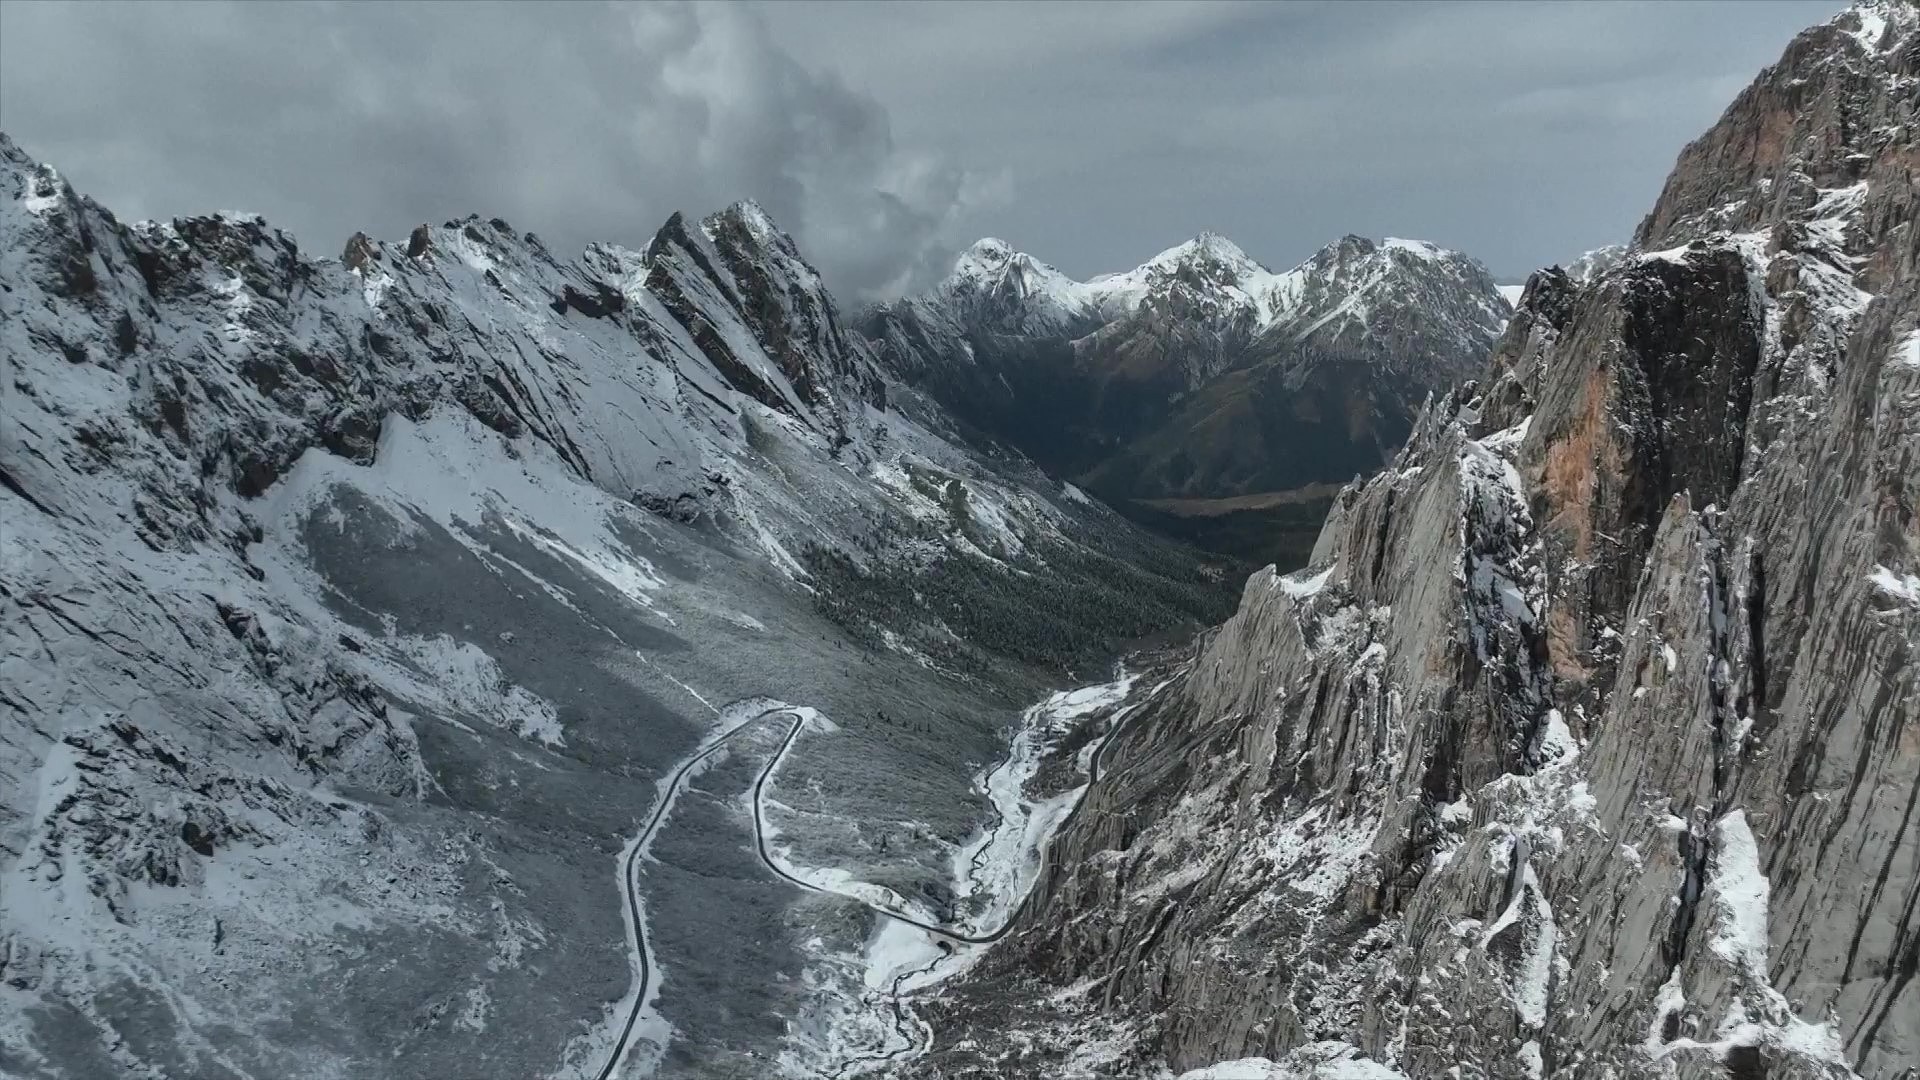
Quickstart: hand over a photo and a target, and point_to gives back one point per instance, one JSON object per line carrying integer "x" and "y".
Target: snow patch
{"x": 1530, "y": 1059}
{"x": 1906, "y": 352}
{"x": 1330, "y": 1060}
{"x": 463, "y": 677}
{"x": 374, "y": 286}
{"x": 1418, "y": 248}
{"x": 1300, "y": 585}
{"x": 1329, "y": 854}
{"x": 1873, "y": 27}
{"x": 42, "y": 193}
{"x": 1739, "y": 891}
{"x": 1899, "y": 586}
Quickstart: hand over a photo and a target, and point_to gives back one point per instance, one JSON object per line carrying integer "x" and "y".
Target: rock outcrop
{"x": 1589, "y": 744}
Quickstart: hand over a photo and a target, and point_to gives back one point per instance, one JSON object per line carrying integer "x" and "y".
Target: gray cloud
{"x": 1522, "y": 133}
{"x": 885, "y": 136}
{"x": 580, "y": 121}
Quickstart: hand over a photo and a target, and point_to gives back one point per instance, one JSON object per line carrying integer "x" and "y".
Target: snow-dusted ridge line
{"x": 1272, "y": 298}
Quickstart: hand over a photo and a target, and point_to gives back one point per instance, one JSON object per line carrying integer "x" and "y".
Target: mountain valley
{"x": 456, "y": 659}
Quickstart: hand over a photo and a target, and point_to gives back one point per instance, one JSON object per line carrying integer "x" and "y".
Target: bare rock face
{"x": 1589, "y": 744}
{"x": 740, "y": 262}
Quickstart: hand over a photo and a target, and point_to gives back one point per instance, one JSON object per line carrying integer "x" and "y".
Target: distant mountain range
{"x": 1199, "y": 375}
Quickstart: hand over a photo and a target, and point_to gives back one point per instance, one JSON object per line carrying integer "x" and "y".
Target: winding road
{"x": 632, "y": 888}
{"x": 766, "y": 858}
{"x": 677, "y": 783}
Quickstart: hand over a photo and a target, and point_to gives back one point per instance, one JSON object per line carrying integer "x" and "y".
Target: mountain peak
{"x": 991, "y": 257}
{"x": 1014, "y": 292}
{"x": 1417, "y": 248}
{"x": 1389, "y": 257}
{"x": 755, "y": 220}
{"x": 989, "y": 247}
{"x": 1210, "y": 247}
{"x": 995, "y": 285}
{"x": 988, "y": 257}
{"x": 1769, "y": 149}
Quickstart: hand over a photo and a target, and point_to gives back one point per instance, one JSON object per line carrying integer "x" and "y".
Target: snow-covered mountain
{"x": 354, "y": 611}
{"x": 1208, "y": 284}
{"x": 391, "y": 647}
{"x": 1200, "y": 373}
{"x": 1588, "y": 744}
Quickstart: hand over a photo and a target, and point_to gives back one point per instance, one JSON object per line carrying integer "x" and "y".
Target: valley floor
{"x": 868, "y": 950}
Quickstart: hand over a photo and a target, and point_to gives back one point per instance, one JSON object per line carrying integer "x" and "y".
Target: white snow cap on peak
{"x": 1878, "y": 24}
{"x": 1361, "y": 264}
{"x": 988, "y": 255}
{"x": 1210, "y": 245}
{"x": 1413, "y": 247}
{"x": 759, "y": 225}
{"x": 1341, "y": 281}
{"x": 992, "y": 268}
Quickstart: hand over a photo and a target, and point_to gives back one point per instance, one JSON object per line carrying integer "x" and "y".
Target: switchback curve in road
{"x": 672, "y": 791}
{"x": 944, "y": 932}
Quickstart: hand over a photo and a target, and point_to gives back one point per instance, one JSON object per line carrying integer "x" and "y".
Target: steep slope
{"x": 1200, "y": 374}
{"x": 355, "y": 612}
{"x": 1589, "y": 746}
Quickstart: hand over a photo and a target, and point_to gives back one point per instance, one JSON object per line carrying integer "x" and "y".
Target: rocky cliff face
{"x": 1201, "y": 373}
{"x": 1589, "y": 744}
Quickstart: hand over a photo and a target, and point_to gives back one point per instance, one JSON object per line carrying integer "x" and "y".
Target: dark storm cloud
{"x": 580, "y": 121}
{"x": 885, "y": 136}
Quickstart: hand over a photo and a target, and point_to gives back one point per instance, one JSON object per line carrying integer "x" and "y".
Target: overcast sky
{"x": 887, "y": 137}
